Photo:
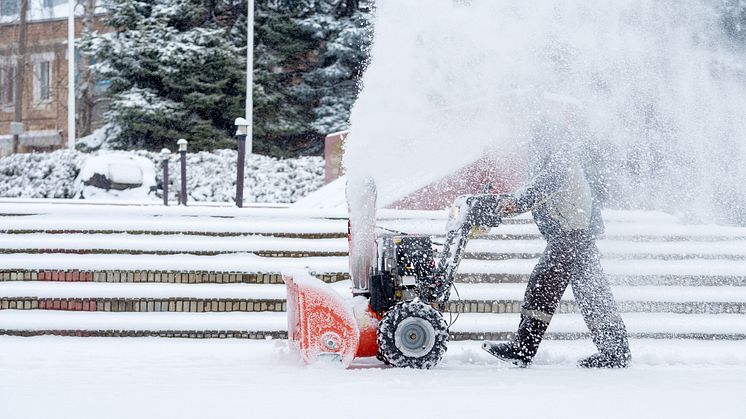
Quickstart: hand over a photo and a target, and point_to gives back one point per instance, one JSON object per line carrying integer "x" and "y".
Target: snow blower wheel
{"x": 412, "y": 335}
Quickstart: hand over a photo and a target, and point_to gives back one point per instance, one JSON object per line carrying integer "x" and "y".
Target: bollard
{"x": 182, "y": 143}
{"x": 165, "y": 154}
{"x": 241, "y": 132}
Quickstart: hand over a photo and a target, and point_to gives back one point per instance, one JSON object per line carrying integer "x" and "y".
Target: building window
{"x": 7, "y": 84}
{"x": 42, "y": 77}
{"x": 44, "y": 86}
{"x": 9, "y": 7}
{"x": 53, "y": 3}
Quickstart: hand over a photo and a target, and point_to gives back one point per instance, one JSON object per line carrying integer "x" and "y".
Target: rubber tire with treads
{"x": 412, "y": 335}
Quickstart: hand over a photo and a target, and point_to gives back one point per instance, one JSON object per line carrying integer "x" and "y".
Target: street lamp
{"x": 71, "y": 74}
{"x": 182, "y": 143}
{"x": 165, "y": 155}
{"x": 250, "y": 75}
{"x": 242, "y": 128}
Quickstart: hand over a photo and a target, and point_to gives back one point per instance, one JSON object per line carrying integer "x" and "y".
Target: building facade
{"x": 45, "y": 70}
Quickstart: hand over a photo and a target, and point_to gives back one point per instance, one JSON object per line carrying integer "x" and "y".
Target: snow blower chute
{"x": 401, "y": 287}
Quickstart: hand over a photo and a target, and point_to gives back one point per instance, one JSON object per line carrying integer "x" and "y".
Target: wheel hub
{"x": 415, "y": 337}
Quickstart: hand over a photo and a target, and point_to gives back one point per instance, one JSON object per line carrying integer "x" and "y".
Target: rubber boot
{"x": 611, "y": 340}
{"x": 521, "y": 349}
{"x": 600, "y": 313}
{"x": 606, "y": 360}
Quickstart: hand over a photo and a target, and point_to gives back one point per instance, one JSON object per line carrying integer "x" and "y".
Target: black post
{"x": 241, "y": 163}
{"x": 182, "y": 150}
{"x": 183, "y": 194}
{"x": 165, "y": 153}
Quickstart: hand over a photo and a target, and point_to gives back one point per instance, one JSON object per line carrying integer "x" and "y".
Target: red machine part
{"x": 367, "y": 323}
{"x": 320, "y": 322}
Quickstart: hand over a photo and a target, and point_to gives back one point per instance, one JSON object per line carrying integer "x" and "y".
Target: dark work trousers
{"x": 571, "y": 258}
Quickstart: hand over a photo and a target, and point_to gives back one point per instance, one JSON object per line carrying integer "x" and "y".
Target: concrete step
{"x": 645, "y": 279}
{"x": 169, "y": 244}
{"x": 143, "y": 305}
{"x": 154, "y": 276}
{"x": 219, "y": 305}
{"x": 627, "y": 231}
{"x": 251, "y": 263}
{"x": 229, "y": 277}
{"x": 264, "y": 325}
{"x": 103, "y": 251}
{"x": 286, "y": 223}
{"x": 68, "y": 207}
{"x": 281, "y": 234}
{"x": 100, "y": 250}
{"x": 621, "y": 233}
{"x": 276, "y": 222}
{"x": 613, "y": 249}
{"x": 264, "y": 335}
{"x": 246, "y": 263}
{"x": 267, "y": 246}
{"x": 65, "y": 216}
{"x": 466, "y": 298}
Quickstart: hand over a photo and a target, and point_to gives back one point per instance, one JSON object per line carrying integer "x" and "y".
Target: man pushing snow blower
{"x": 402, "y": 282}
{"x": 562, "y": 202}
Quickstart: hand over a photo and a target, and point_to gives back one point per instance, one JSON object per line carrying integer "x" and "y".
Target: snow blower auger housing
{"x": 398, "y": 306}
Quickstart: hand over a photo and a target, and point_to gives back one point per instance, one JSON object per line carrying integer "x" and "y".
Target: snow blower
{"x": 401, "y": 287}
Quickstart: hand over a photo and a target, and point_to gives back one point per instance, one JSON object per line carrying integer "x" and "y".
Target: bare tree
{"x": 84, "y": 89}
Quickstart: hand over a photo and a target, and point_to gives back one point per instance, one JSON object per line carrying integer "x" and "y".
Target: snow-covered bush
{"x": 40, "y": 175}
{"x": 122, "y": 176}
{"x": 211, "y": 176}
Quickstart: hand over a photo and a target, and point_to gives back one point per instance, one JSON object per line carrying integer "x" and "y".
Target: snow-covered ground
{"x": 158, "y": 378}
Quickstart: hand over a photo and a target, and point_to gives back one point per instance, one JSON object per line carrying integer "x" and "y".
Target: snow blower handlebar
{"x": 470, "y": 215}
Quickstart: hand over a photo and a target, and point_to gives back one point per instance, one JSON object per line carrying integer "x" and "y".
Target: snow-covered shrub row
{"x": 40, "y": 175}
{"x": 211, "y": 176}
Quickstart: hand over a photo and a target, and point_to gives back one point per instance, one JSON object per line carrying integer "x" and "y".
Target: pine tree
{"x": 344, "y": 31}
{"x": 734, "y": 19}
{"x": 283, "y": 53}
{"x": 175, "y": 68}
{"x": 309, "y": 55}
{"x": 172, "y": 73}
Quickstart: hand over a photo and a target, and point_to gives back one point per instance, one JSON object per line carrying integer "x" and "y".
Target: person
{"x": 561, "y": 200}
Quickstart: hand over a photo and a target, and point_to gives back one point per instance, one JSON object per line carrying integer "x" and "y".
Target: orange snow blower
{"x": 400, "y": 289}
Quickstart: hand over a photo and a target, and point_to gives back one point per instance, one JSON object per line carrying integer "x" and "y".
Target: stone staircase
{"x": 213, "y": 271}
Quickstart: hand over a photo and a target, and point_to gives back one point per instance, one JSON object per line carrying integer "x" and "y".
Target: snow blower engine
{"x": 401, "y": 287}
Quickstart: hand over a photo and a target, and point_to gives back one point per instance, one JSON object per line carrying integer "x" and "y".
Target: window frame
{"x": 45, "y": 81}
{"x": 37, "y": 62}
{"x": 8, "y": 82}
{"x": 12, "y": 11}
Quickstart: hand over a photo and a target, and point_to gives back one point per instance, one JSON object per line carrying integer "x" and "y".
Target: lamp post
{"x": 165, "y": 155}
{"x": 250, "y": 75}
{"x": 71, "y": 74}
{"x": 242, "y": 127}
{"x": 182, "y": 143}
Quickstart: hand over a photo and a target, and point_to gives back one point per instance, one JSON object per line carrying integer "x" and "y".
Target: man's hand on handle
{"x": 507, "y": 206}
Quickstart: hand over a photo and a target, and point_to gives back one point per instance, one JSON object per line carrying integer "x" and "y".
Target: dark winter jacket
{"x": 558, "y": 193}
